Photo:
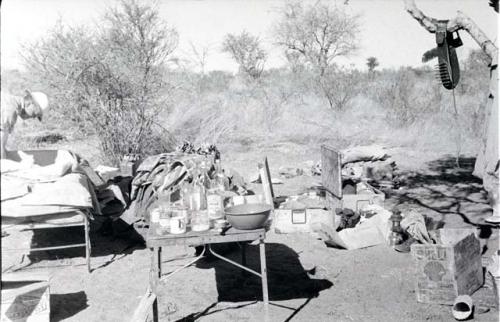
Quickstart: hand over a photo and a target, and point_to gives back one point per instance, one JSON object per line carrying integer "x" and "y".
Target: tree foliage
{"x": 247, "y": 52}
{"x": 110, "y": 81}
{"x": 318, "y": 33}
{"x": 372, "y": 63}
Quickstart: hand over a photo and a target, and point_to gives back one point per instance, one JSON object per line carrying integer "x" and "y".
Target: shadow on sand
{"x": 287, "y": 280}
{"x": 118, "y": 245}
{"x": 446, "y": 192}
{"x": 63, "y": 306}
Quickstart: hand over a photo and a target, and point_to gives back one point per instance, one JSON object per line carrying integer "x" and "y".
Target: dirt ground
{"x": 308, "y": 281}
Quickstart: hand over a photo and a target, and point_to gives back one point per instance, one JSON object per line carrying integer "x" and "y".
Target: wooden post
{"x": 148, "y": 301}
{"x": 331, "y": 176}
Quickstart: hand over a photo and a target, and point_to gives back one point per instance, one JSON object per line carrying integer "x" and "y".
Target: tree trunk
{"x": 487, "y": 161}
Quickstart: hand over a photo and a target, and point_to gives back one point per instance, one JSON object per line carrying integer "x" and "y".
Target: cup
{"x": 462, "y": 307}
{"x": 155, "y": 215}
{"x": 177, "y": 225}
{"x": 200, "y": 221}
{"x": 220, "y": 223}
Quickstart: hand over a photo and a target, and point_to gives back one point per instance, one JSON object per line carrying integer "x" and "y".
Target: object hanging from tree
{"x": 448, "y": 69}
{"x": 494, "y": 4}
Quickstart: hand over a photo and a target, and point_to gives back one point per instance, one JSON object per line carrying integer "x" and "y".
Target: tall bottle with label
{"x": 199, "y": 201}
{"x": 220, "y": 178}
{"x": 215, "y": 198}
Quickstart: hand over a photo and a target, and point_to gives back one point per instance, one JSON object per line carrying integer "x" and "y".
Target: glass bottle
{"x": 200, "y": 220}
{"x": 198, "y": 199}
{"x": 215, "y": 196}
{"x": 185, "y": 199}
{"x": 204, "y": 177}
{"x": 220, "y": 178}
{"x": 215, "y": 204}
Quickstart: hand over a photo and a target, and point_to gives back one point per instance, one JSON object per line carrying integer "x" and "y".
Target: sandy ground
{"x": 308, "y": 281}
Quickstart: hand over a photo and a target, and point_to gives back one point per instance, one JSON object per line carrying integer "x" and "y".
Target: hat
{"x": 41, "y": 100}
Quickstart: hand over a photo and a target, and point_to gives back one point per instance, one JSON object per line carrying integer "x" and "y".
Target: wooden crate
{"x": 331, "y": 176}
{"x": 444, "y": 271}
{"x": 331, "y": 167}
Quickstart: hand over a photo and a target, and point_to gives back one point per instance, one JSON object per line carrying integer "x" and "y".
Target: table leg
{"x": 158, "y": 260}
{"x": 243, "y": 253}
{"x": 87, "y": 243}
{"x": 154, "y": 278}
{"x": 263, "y": 269}
{"x": 155, "y": 309}
{"x": 243, "y": 257}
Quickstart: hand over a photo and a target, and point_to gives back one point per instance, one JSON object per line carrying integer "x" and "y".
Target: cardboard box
{"x": 370, "y": 232}
{"x": 301, "y": 220}
{"x": 448, "y": 269}
{"x": 356, "y": 202}
{"x": 25, "y": 297}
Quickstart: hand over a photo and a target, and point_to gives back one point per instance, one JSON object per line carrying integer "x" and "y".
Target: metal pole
{"x": 234, "y": 263}
{"x": 185, "y": 266}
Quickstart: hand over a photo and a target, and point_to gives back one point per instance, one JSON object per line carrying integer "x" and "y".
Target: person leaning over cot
{"x": 31, "y": 105}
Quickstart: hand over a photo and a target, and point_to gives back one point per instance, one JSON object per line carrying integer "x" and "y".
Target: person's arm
{"x": 10, "y": 106}
{"x": 4, "y": 136}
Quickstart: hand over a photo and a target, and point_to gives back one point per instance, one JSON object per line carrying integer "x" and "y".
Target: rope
{"x": 459, "y": 132}
{"x": 455, "y": 115}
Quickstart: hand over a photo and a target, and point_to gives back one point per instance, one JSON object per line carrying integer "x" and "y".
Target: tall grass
{"x": 403, "y": 107}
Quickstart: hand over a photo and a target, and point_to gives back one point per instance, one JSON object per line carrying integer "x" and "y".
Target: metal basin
{"x": 248, "y": 216}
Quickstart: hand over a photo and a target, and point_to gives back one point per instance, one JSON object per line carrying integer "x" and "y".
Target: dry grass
{"x": 396, "y": 108}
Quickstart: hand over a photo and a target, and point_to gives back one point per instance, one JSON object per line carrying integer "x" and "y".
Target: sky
{"x": 388, "y": 32}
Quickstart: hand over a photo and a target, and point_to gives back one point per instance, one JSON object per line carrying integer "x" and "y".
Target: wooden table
{"x": 155, "y": 242}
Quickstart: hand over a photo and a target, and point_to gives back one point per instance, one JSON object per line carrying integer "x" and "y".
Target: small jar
{"x": 200, "y": 221}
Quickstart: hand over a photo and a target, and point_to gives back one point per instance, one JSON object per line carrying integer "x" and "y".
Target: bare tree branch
{"x": 319, "y": 33}
{"x": 459, "y": 22}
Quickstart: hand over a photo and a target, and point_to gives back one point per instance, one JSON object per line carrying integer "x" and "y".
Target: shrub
{"x": 405, "y": 97}
{"x": 110, "y": 82}
{"x": 339, "y": 86}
